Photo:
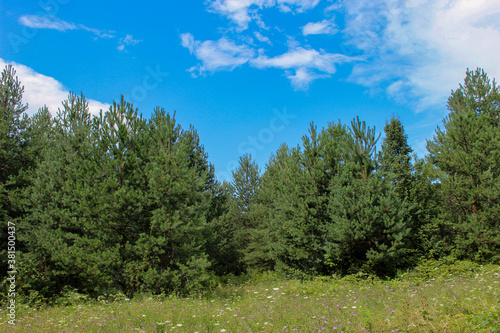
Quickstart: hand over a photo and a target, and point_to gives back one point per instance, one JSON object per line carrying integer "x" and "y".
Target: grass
{"x": 425, "y": 300}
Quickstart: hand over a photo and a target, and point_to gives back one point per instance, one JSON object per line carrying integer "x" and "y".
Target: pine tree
{"x": 467, "y": 155}
{"x": 296, "y": 184}
{"x": 245, "y": 184}
{"x": 369, "y": 221}
{"x": 221, "y": 243}
{"x": 11, "y": 163}
{"x": 169, "y": 253}
{"x": 70, "y": 245}
{"x": 246, "y": 179}
{"x": 11, "y": 109}
{"x": 395, "y": 158}
{"x": 263, "y": 249}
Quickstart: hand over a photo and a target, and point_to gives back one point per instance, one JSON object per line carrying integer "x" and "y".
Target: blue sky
{"x": 251, "y": 74}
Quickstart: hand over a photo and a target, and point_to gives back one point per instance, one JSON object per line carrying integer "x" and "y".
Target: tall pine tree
{"x": 467, "y": 154}
{"x": 395, "y": 158}
{"x": 11, "y": 109}
{"x": 245, "y": 184}
{"x": 369, "y": 221}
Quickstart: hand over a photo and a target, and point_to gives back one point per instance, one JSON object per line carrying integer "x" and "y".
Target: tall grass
{"x": 433, "y": 298}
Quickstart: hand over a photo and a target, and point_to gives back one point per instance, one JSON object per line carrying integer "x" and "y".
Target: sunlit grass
{"x": 467, "y": 302}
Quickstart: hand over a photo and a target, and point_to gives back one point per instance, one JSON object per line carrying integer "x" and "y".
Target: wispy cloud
{"x": 302, "y": 66}
{"x": 326, "y": 27}
{"x": 297, "y": 5}
{"x": 40, "y": 90}
{"x": 46, "y": 22}
{"x": 54, "y": 23}
{"x": 222, "y": 54}
{"x": 127, "y": 40}
{"x": 262, "y": 38}
{"x": 420, "y": 49}
{"x": 242, "y": 12}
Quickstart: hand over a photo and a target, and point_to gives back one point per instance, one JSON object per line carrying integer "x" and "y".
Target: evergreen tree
{"x": 221, "y": 243}
{"x": 70, "y": 245}
{"x": 369, "y": 221}
{"x": 246, "y": 179}
{"x": 11, "y": 124}
{"x": 170, "y": 253}
{"x": 11, "y": 109}
{"x": 430, "y": 236}
{"x": 414, "y": 183}
{"x": 297, "y": 182}
{"x": 395, "y": 158}
{"x": 466, "y": 154}
{"x": 262, "y": 250}
{"x": 245, "y": 184}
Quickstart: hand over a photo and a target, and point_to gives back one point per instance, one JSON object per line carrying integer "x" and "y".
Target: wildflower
{"x": 222, "y": 330}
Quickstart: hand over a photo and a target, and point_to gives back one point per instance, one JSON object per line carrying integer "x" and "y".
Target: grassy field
{"x": 434, "y": 299}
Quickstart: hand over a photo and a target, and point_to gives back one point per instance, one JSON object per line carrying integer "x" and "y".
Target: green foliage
{"x": 221, "y": 245}
{"x": 11, "y": 109}
{"x": 169, "y": 251}
{"x": 69, "y": 245}
{"x": 416, "y": 184}
{"x": 245, "y": 185}
{"x": 371, "y": 226}
{"x": 296, "y": 184}
{"x": 370, "y": 222}
{"x": 443, "y": 268}
{"x": 467, "y": 157}
{"x": 328, "y": 209}
{"x": 119, "y": 205}
{"x": 246, "y": 179}
{"x": 395, "y": 158}
{"x": 11, "y": 150}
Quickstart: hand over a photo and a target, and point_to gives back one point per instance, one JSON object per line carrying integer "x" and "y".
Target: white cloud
{"x": 262, "y": 38}
{"x": 45, "y": 22}
{"x": 239, "y": 11}
{"x": 242, "y": 12}
{"x": 304, "y": 65}
{"x": 40, "y": 90}
{"x": 299, "y": 5}
{"x": 326, "y": 27}
{"x": 302, "y": 77}
{"x": 421, "y": 49}
{"x": 222, "y": 54}
{"x": 54, "y": 23}
{"x": 127, "y": 40}
{"x": 301, "y": 66}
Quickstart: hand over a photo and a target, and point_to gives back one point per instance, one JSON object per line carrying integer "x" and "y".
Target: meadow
{"x": 463, "y": 297}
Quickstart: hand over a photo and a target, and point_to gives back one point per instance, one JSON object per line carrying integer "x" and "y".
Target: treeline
{"x": 119, "y": 203}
